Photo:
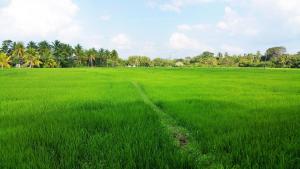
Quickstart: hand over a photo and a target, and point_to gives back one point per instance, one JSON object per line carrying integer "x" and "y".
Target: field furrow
{"x": 182, "y": 138}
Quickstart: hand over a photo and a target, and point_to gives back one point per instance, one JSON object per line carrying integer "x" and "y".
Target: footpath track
{"x": 180, "y": 135}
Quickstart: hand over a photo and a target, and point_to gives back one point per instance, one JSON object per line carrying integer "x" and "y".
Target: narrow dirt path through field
{"x": 180, "y": 135}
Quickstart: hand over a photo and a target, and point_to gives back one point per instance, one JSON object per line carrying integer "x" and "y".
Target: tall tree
{"x": 19, "y": 52}
{"x": 63, "y": 54}
{"x": 43, "y": 47}
{"x": 7, "y": 47}
{"x": 4, "y": 60}
{"x": 107, "y": 56}
{"x": 91, "y": 54}
{"x": 32, "y": 45}
{"x": 44, "y": 50}
{"x": 32, "y": 58}
{"x": 274, "y": 52}
{"x": 114, "y": 56}
{"x": 56, "y": 49}
{"x": 207, "y": 54}
{"x": 102, "y": 58}
{"x": 79, "y": 54}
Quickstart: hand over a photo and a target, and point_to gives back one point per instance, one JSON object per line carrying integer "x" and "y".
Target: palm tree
{"x": 50, "y": 63}
{"x": 4, "y": 60}
{"x": 32, "y": 44}
{"x": 32, "y": 58}
{"x": 91, "y": 54}
{"x": 19, "y": 52}
{"x": 44, "y": 49}
{"x": 79, "y": 54}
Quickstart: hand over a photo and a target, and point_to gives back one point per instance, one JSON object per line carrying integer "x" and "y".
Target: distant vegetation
{"x": 58, "y": 54}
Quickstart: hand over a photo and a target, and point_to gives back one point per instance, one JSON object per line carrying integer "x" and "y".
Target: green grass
{"x": 97, "y": 118}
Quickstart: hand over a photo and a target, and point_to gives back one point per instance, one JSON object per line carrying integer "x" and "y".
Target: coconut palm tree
{"x": 4, "y": 60}
{"x": 32, "y": 58}
{"x": 33, "y": 45}
{"x": 50, "y": 63}
{"x": 79, "y": 54}
{"x": 91, "y": 54}
{"x": 19, "y": 52}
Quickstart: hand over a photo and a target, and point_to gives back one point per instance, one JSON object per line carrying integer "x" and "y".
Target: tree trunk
{"x": 91, "y": 62}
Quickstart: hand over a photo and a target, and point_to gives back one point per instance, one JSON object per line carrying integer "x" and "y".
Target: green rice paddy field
{"x": 150, "y": 118}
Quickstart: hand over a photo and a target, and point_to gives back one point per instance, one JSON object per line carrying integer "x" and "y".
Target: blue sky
{"x": 157, "y": 28}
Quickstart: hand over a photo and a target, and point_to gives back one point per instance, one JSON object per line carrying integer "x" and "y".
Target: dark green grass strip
{"x": 180, "y": 135}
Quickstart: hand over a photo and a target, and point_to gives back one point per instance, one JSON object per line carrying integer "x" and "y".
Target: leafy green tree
{"x": 44, "y": 50}
{"x": 274, "y": 52}
{"x": 133, "y": 61}
{"x": 114, "y": 56}
{"x": 107, "y": 56}
{"x": 91, "y": 55}
{"x": 138, "y": 61}
{"x": 159, "y": 62}
{"x": 32, "y": 58}
{"x": 63, "y": 54}
{"x": 19, "y": 52}
{"x": 43, "y": 47}
{"x": 79, "y": 55}
{"x": 208, "y": 61}
{"x": 101, "y": 58}
{"x": 50, "y": 63}
{"x": 294, "y": 61}
{"x": 245, "y": 61}
{"x": 291, "y": 61}
{"x": 32, "y": 45}
{"x": 4, "y": 60}
{"x": 281, "y": 61}
{"x": 228, "y": 61}
{"x": 207, "y": 54}
{"x": 7, "y": 47}
{"x": 56, "y": 45}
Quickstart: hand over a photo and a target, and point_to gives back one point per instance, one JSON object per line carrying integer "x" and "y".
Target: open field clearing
{"x": 150, "y": 118}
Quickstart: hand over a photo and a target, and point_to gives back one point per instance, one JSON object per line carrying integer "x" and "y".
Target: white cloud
{"x": 105, "y": 18}
{"x": 121, "y": 41}
{"x": 180, "y": 41}
{"x": 184, "y": 27}
{"x": 197, "y": 27}
{"x": 177, "y": 5}
{"x": 235, "y": 24}
{"x": 38, "y": 18}
{"x": 286, "y": 11}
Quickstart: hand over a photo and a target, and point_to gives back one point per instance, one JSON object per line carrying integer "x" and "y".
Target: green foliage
{"x": 32, "y": 58}
{"x": 63, "y": 55}
{"x": 91, "y": 55}
{"x": 4, "y": 60}
{"x": 18, "y": 53}
{"x": 7, "y": 47}
{"x": 228, "y": 61}
{"x": 274, "y": 52}
{"x": 139, "y": 61}
{"x": 79, "y": 55}
{"x": 159, "y": 62}
{"x": 32, "y": 45}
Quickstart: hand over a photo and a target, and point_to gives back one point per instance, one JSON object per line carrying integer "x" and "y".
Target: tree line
{"x": 57, "y": 54}
{"x": 53, "y": 55}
